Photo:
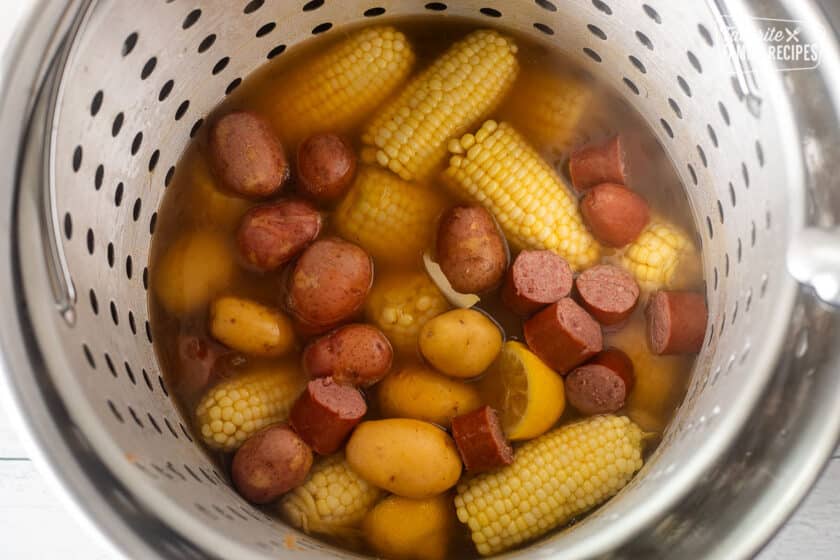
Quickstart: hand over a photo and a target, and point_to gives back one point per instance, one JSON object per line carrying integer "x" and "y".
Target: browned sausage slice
{"x": 326, "y": 413}
{"x": 201, "y": 363}
{"x": 614, "y": 214}
{"x": 600, "y": 163}
{"x": 247, "y": 156}
{"x": 676, "y": 322}
{"x": 608, "y": 293}
{"x": 563, "y": 335}
{"x": 270, "y": 236}
{"x": 595, "y": 389}
{"x": 534, "y": 280}
{"x": 620, "y": 363}
{"x": 480, "y": 440}
{"x": 326, "y": 165}
{"x": 358, "y": 355}
{"x": 470, "y": 249}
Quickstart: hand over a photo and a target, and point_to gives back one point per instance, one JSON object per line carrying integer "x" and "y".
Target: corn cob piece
{"x": 234, "y": 409}
{"x": 495, "y": 167}
{"x": 553, "y": 478}
{"x": 460, "y": 88}
{"x": 392, "y": 219}
{"x": 333, "y": 501}
{"x": 401, "y": 304}
{"x": 340, "y": 88}
{"x": 654, "y": 256}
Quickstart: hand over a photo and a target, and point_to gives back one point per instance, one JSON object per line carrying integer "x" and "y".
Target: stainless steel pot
{"x": 99, "y": 99}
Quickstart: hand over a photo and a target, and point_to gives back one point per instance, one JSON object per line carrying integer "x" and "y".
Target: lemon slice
{"x": 528, "y": 395}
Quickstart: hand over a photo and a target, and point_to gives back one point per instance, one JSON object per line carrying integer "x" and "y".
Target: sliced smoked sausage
{"x": 608, "y": 293}
{"x": 620, "y": 363}
{"x": 614, "y": 214}
{"x": 480, "y": 440}
{"x": 596, "y": 164}
{"x": 563, "y": 335}
{"x": 470, "y": 249}
{"x": 676, "y": 322}
{"x": 269, "y": 236}
{"x": 534, "y": 280}
{"x": 326, "y": 413}
{"x": 595, "y": 389}
{"x": 357, "y": 354}
{"x": 202, "y": 362}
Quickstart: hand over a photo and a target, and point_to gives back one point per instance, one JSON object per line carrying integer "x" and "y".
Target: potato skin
{"x": 406, "y": 457}
{"x": 247, "y": 156}
{"x": 418, "y": 392}
{"x": 269, "y": 236}
{"x": 358, "y": 355}
{"x": 406, "y": 529}
{"x": 250, "y": 327}
{"x": 270, "y": 463}
{"x": 461, "y": 342}
{"x": 193, "y": 270}
{"x": 326, "y": 166}
{"x": 470, "y": 249}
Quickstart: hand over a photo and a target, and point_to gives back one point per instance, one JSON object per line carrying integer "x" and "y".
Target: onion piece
{"x": 457, "y": 299}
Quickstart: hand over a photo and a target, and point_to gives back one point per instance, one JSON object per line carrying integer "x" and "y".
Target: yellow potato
{"x": 251, "y": 327}
{"x": 212, "y": 207}
{"x": 461, "y": 342}
{"x": 406, "y": 457}
{"x": 192, "y": 271}
{"x": 418, "y": 392}
{"x": 406, "y": 529}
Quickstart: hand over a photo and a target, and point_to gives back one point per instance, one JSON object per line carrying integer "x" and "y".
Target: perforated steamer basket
{"x": 100, "y": 99}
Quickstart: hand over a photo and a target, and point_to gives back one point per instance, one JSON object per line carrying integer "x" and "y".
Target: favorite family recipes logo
{"x": 783, "y": 41}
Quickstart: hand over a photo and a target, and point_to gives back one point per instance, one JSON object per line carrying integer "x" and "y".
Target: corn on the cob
{"x": 654, "y": 256}
{"x": 401, "y": 304}
{"x": 553, "y": 478}
{"x": 392, "y": 219}
{"x": 460, "y": 88}
{"x": 497, "y": 168}
{"x": 340, "y": 88}
{"x": 334, "y": 499}
{"x": 234, "y": 409}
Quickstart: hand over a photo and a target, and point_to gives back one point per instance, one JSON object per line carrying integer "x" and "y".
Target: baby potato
{"x": 211, "y": 207}
{"x": 461, "y": 342}
{"x": 250, "y": 327}
{"x": 404, "y": 456}
{"x": 193, "y": 270}
{"x": 418, "y": 392}
{"x": 406, "y": 529}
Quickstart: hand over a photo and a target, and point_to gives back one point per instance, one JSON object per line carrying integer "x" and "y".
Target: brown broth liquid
{"x": 192, "y": 203}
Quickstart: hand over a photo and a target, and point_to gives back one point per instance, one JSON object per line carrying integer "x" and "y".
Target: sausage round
{"x": 247, "y": 156}
{"x": 270, "y": 463}
{"x": 358, "y": 355}
{"x": 596, "y": 164}
{"x": 202, "y": 362}
{"x": 326, "y": 413}
{"x": 326, "y": 165}
{"x": 595, "y": 389}
{"x": 608, "y": 293}
{"x": 676, "y": 322}
{"x": 470, "y": 250}
{"x": 329, "y": 284}
{"x": 270, "y": 236}
{"x": 614, "y": 214}
{"x": 480, "y": 440}
{"x": 620, "y": 363}
{"x": 563, "y": 335}
{"x": 534, "y": 280}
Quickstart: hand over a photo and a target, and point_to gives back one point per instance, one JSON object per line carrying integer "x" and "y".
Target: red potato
{"x": 481, "y": 441}
{"x": 470, "y": 250}
{"x": 608, "y": 293}
{"x": 596, "y": 164}
{"x": 614, "y": 214}
{"x": 357, "y": 354}
{"x": 620, "y": 363}
{"x": 534, "y": 280}
{"x": 676, "y": 322}
{"x": 270, "y": 463}
{"x": 247, "y": 156}
{"x": 563, "y": 335}
{"x": 326, "y": 166}
{"x": 595, "y": 389}
{"x": 326, "y": 413}
{"x": 202, "y": 362}
{"x": 328, "y": 284}
{"x": 270, "y": 236}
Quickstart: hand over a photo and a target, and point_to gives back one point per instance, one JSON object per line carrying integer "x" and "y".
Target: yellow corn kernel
{"x": 553, "y": 479}
{"x": 459, "y": 89}
{"x": 333, "y": 501}
{"x": 392, "y": 219}
{"x": 654, "y": 256}
{"x": 401, "y": 304}
{"x": 497, "y": 168}
{"x": 340, "y": 88}
{"x": 234, "y": 409}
